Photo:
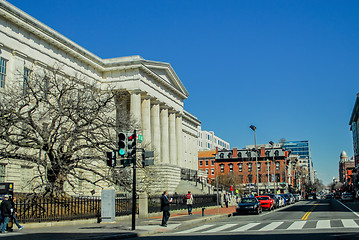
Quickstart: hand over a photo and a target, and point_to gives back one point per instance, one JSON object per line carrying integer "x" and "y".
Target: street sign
{"x": 139, "y": 138}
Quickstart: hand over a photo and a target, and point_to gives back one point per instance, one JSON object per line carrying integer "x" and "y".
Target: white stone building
{"x": 155, "y": 93}
{"x": 208, "y": 141}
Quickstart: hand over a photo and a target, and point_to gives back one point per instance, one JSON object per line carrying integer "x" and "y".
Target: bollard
{"x": 203, "y": 211}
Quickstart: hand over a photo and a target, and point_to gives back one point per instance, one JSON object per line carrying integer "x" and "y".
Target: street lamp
{"x": 255, "y": 146}
{"x": 215, "y": 169}
{"x": 274, "y": 168}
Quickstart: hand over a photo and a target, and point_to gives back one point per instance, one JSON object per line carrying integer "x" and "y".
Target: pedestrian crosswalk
{"x": 275, "y": 226}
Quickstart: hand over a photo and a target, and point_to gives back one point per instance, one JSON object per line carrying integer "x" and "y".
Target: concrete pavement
{"x": 121, "y": 228}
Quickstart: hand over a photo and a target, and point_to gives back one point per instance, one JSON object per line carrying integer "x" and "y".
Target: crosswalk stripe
{"x": 245, "y": 227}
{"x": 323, "y": 224}
{"x": 349, "y": 223}
{"x": 271, "y": 226}
{"x": 196, "y": 229}
{"x": 297, "y": 225}
{"x": 220, "y": 228}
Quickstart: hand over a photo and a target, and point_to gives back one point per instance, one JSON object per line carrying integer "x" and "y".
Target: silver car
{"x": 347, "y": 197}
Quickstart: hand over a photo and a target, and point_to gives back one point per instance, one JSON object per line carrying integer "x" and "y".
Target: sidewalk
{"x": 120, "y": 229}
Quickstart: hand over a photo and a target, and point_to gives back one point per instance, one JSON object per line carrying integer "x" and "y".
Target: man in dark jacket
{"x": 165, "y": 208}
{"x": 5, "y": 207}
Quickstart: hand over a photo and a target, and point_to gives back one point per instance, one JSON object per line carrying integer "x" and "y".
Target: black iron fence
{"x": 70, "y": 208}
{"x": 179, "y": 202}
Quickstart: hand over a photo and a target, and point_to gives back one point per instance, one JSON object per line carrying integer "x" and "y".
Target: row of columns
{"x": 161, "y": 127}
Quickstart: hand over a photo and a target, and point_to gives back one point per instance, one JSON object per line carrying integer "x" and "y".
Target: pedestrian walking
{"x": 189, "y": 201}
{"x": 14, "y": 213}
{"x": 5, "y": 207}
{"x": 226, "y": 199}
{"x": 165, "y": 208}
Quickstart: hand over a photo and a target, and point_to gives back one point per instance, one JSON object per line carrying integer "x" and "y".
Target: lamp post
{"x": 256, "y": 153}
{"x": 274, "y": 168}
{"x": 215, "y": 166}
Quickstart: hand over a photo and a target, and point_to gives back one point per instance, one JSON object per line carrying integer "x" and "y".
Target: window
{"x": 240, "y": 167}
{"x": 3, "y": 63}
{"x": 277, "y": 177}
{"x": 259, "y": 178}
{"x": 259, "y": 166}
{"x": 276, "y": 153}
{"x": 212, "y": 162}
{"x": 268, "y": 165}
{"x": 239, "y": 154}
{"x": 208, "y": 145}
{"x": 201, "y": 163}
{"x": 277, "y": 166}
{"x": 222, "y": 168}
{"x": 231, "y": 167}
{"x": 2, "y": 172}
{"x": 207, "y": 171}
{"x": 206, "y": 162}
{"x": 250, "y": 178}
{"x": 249, "y": 167}
{"x": 212, "y": 171}
{"x": 27, "y": 73}
{"x": 267, "y": 153}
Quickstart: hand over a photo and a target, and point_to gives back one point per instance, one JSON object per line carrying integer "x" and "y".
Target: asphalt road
{"x": 305, "y": 220}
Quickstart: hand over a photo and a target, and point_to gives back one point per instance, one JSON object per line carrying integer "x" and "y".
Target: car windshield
{"x": 263, "y": 198}
{"x": 248, "y": 200}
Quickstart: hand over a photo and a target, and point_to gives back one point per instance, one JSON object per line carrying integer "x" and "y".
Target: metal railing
{"x": 179, "y": 202}
{"x": 69, "y": 208}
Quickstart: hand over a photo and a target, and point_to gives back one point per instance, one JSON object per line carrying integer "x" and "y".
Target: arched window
{"x": 239, "y": 154}
{"x": 276, "y": 153}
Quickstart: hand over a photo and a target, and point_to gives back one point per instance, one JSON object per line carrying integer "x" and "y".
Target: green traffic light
{"x": 121, "y": 152}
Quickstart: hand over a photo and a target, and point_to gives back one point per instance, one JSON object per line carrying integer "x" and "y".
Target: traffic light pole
{"x": 134, "y": 205}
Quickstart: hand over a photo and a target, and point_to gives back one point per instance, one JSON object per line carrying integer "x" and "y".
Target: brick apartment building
{"x": 277, "y": 171}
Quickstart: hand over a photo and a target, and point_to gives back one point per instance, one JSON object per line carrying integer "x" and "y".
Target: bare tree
{"x": 63, "y": 125}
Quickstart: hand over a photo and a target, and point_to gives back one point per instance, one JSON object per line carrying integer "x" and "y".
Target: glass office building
{"x": 302, "y": 149}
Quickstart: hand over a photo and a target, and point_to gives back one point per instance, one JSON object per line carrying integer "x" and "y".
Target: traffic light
{"x": 125, "y": 162}
{"x": 122, "y": 144}
{"x": 131, "y": 145}
{"x": 111, "y": 159}
{"x": 147, "y": 158}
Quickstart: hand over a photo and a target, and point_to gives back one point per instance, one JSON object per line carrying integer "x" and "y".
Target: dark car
{"x": 347, "y": 197}
{"x": 249, "y": 205}
{"x": 275, "y": 199}
{"x": 286, "y": 199}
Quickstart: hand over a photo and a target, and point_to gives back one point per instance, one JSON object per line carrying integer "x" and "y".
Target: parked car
{"x": 249, "y": 205}
{"x": 286, "y": 199}
{"x": 291, "y": 198}
{"x": 281, "y": 201}
{"x": 275, "y": 199}
{"x": 346, "y": 196}
{"x": 266, "y": 202}
{"x": 297, "y": 197}
{"x": 329, "y": 196}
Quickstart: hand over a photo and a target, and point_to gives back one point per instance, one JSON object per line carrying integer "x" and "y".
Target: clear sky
{"x": 288, "y": 67}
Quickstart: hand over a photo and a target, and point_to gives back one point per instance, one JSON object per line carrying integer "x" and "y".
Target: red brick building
{"x": 276, "y": 171}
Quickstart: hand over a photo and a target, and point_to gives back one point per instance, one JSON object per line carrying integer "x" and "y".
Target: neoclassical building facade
{"x": 154, "y": 92}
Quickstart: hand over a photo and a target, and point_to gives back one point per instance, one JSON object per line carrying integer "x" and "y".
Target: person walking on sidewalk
{"x": 226, "y": 199}
{"x": 189, "y": 199}
{"x": 14, "y": 213}
{"x": 165, "y": 208}
{"x": 5, "y": 208}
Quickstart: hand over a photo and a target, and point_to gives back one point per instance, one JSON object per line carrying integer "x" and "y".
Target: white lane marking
{"x": 297, "y": 225}
{"x": 196, "y": 229}
{"x": 348, "y": 208}
{"x": 349, "y": 223}
{"x": 220, "y": 228}
{"x": 245, "y": 227}
{"x": 323, "y": 224}
{"x": 271, "y": 226}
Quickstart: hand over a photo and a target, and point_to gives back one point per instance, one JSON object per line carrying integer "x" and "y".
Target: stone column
{"x": 135, "y": 108}
{"x": 179, "y": 136}
{"x": 164, "y": 135}
{"x": 146, "y": 119}
{"x": 172, "y": 137}
{"x": 156, "y": 130}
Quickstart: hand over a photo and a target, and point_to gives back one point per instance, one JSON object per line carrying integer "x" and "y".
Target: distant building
{"x": 302, "y": 149}
{"x": 208, "y": 141}
{"x": 354, "y": 124}
{"x": 346, "y": 167}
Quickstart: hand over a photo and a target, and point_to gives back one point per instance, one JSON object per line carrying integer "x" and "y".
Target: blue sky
{"x": 288, "y": 67}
